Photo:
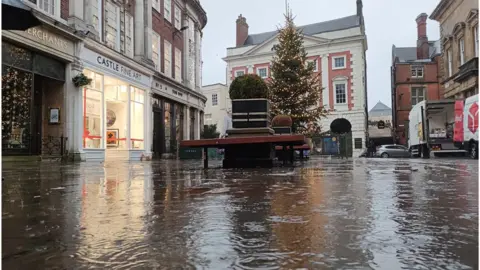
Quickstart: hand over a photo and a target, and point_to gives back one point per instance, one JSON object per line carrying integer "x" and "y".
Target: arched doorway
{"x": 342, "y": 128}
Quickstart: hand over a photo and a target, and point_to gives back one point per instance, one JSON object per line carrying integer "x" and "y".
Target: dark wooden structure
{"x": 243, "y": 149}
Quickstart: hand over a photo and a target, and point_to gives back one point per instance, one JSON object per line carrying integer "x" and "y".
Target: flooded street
{"x": 326, "y": 214}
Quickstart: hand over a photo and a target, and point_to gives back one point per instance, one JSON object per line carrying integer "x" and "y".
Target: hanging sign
{"x": 381, "y": 124}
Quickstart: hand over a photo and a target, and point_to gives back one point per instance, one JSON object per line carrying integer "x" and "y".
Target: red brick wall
{"x": 64, "y": 9}
{"x": 166, "y": 29}
{"x": 346, "y": 72}
{"x": 404, "y": 83}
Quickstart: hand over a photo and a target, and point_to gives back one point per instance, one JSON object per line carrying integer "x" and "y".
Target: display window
{"x": 113, "y": 114}
{"x": 137, "y": 109}
{"x": 92, "y": 111}
{"x": 168, "y": 127}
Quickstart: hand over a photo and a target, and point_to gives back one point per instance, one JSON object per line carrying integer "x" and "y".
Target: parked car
{"x": 392, "y": 150}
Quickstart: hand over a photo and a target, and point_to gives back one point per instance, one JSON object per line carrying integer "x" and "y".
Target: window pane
{"x": 92, "y": 114}
{"x": 340, "y": 94}
{"x": 136, "y": 125}
{"x": 339, "y": 62}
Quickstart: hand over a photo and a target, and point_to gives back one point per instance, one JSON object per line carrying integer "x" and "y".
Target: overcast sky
{"x": 387, "y": 22}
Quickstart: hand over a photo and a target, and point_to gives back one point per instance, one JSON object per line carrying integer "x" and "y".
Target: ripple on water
{"x": 288, "y": 219}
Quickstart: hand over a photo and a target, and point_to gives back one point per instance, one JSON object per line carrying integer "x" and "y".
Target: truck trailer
{"x": 431, "y": 129}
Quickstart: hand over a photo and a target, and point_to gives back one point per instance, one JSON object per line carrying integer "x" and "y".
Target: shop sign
{"x": 43, "y": 36}
{"x": 115, "y": 67}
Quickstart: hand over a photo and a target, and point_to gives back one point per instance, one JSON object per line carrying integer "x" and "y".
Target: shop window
{"x": 156, "y": 51}
{"x": 168, "y": 127}
{"x": 179, "y": 122}
{"x": 116, "y": 102}
{"x": 16, "y": 109}
{"x": 126, "y": 34}
{"x": 137, "y": 110}
{"x": 178, "y": 65}
{"x": 167, "y": 59}
{"x": 92, "y": 112}
{"x": 192, "y": 124}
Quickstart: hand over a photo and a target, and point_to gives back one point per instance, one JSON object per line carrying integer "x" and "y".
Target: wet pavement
{"x": 326, "y": 214}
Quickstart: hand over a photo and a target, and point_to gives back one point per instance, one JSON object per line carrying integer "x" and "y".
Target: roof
{"x": 409, "y": 54}
{"x": 380, "y": 109}
{"x": 311, "y": 29}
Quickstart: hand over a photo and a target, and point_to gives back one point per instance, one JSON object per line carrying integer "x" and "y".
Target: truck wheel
{"x": 473, "y": 151}
{"x": 425, "y": 152}
{"x": 384, "y": 155}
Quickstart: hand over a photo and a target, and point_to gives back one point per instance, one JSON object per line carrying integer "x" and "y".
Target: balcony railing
{"x": 470, "y": 68}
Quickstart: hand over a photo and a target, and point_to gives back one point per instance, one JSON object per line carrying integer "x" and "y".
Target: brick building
{"x": 415, "y": 77}
{"x": 459, "y": 37}
{"x": 144, "y": 59}
{"x": 335, "y": 48}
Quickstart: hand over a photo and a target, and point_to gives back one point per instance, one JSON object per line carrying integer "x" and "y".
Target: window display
{"x": 137, "y": 100}
{"x": 179, "y": 122}
{"x": 168, "y": 127}
{"x": 108, "y": 105}
{"x": 92, "y": 111}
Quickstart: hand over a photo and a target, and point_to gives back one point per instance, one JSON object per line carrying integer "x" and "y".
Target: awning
{"x": 17, "y": 16}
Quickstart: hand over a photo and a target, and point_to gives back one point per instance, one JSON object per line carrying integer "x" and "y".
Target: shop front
{"x": 34, "y": 75}
{"x": 114, "y": 109}
{"x": 176, "y": 116}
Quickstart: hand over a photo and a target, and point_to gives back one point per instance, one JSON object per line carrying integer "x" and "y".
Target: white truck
{"x": 466, "y": 125}
{"x": 430, "y": 129}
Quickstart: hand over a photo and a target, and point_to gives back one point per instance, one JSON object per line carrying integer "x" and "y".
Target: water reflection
{"x": 328, "y": 214}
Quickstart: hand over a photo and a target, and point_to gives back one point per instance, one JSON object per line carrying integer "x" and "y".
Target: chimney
{"x": 422, "y": 39}
{"x": 242, "y": 30}
{"x": 359, "y": 8}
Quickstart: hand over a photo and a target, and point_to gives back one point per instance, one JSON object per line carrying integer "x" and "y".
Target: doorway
{"x": 158, "y": 132}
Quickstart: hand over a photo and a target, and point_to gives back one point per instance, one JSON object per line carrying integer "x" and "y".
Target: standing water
{"x": 325, "y": 214}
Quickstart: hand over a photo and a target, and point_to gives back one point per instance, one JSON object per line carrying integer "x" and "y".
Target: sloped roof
{"x": 380, "y": 109}
{"x": 311, "y": 29}
{"x": 407, "y": 54}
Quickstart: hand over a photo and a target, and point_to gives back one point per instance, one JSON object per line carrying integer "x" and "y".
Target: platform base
{"x": 249, "y": 156}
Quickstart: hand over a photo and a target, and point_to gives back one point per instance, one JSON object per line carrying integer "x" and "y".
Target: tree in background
{"x": 209, "y": 132}
{"x": 295, "y": 89}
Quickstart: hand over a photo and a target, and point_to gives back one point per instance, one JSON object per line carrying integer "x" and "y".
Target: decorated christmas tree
{"x": 295, "y": 89}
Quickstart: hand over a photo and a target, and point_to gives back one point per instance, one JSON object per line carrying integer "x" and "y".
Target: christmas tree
{"x": 295, "y": 89}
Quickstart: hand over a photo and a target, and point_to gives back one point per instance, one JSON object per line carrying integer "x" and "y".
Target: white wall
{"x": 338, "y": 41}
{"x": 219, "y": 111}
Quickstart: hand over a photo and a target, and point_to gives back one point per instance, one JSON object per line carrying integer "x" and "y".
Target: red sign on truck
{"x": 458, "y": 128}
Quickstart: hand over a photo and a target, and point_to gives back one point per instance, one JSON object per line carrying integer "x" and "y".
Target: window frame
{"x": 165, "y": 58}
{"x": 449, "y": 62}
{"x": 416, "y": 97}
{"x": 156, "y": 37}
{"x": 415, "y": 69}
{"x": 314, "y": 62}
{"x": 132, "y": 46}
{"x": 475, "y": 40}
{"x": 461, "y": 50}
{"x": 177, "y": 9}
{"x": 335, "y": 84}
{"x": 156, "y": 5}
{"x": 237, "y": 71}
{"x": 117, "y": 26}
{"x": 167, "y": 10}
{"x": 344, "y": 57}
{"x": 216, "y": 99}
{"x": 266, "y": 72}
{"x": 57, "y": 12}
{"x": 178, "y": 64}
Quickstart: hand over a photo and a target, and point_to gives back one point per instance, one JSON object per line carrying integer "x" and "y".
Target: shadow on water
{"x": 325, "y": 214}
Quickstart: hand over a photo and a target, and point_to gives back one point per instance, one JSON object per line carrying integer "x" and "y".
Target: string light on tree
{"x": 295, "y": 89}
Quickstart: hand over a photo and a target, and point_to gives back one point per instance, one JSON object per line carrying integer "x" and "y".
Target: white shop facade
{"x": 115, "y": 116}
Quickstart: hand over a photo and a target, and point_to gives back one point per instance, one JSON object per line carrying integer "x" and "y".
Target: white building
{"x": 145, "y": 62}
{"x": 336, "y": 48}
{"x": 217, "y": 106}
